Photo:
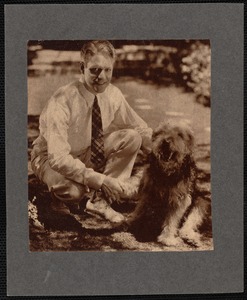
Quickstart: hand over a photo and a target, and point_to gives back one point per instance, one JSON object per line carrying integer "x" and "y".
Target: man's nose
{"x": 102, "y": 74}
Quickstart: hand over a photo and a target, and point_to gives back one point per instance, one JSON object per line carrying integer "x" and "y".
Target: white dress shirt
{"x": 65, "y": 128}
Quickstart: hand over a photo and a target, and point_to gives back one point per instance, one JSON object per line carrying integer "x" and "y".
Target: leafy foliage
{"x": 196, "y": 71}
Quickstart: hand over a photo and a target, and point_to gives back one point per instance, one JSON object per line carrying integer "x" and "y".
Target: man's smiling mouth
{"x": 98, "y": 83}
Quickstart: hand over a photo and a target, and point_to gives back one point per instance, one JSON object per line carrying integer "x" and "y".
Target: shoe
{"x": 61, "y": 222}
{"x": 78, "y": 209}
{"x": 74, "y": 208}
{"x": 58, "y": 206}
{"x": 58, "y": 217}
{"x": 100, "y": 207}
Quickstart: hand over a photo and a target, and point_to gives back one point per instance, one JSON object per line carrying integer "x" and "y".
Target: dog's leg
{"x": 189, "y": 230}
{"x": 169, "y": 235}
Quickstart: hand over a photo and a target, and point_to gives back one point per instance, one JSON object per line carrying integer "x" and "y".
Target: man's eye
{"x": 108, "y": 69}
{"x": 94, "y": 70}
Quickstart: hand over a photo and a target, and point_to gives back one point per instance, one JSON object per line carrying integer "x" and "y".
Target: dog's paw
{"x": 191, "y": 237}
{"x": 169, "y": 240}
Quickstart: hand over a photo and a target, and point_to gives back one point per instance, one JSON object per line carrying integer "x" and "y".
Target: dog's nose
{"x": 165, "y": 145}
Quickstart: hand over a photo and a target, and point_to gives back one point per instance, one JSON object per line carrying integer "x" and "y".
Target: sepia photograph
{"x": 119, "y": 145}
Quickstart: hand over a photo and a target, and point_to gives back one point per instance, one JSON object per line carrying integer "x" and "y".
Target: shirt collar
{"x": 88, "y": 96}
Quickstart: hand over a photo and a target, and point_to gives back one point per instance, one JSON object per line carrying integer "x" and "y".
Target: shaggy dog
{"x": 164, "y": 211}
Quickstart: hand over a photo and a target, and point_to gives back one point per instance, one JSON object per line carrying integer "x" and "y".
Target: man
{"x": 89, "y": 139}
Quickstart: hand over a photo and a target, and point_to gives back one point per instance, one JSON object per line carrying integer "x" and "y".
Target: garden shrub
{"x": 196, "y": 71}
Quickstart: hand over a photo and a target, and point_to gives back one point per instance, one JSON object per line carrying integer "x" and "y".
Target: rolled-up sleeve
{"x": 59, "y": 149}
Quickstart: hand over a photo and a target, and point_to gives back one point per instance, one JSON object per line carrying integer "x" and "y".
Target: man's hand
{"x": 111, "y": 188}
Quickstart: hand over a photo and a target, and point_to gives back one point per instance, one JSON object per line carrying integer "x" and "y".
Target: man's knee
{"x": 133, "y": 140}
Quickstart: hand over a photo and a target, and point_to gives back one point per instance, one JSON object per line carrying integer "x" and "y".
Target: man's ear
{"x": 82, "y": 67}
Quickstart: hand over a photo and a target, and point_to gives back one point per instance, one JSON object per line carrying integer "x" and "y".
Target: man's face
{"x": 98, "y": 73}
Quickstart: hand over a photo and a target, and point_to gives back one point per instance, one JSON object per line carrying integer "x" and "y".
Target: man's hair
{"x": 91, "y": 48}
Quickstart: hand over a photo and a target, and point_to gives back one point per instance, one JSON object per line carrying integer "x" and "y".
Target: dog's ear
{"x": 186, "y": 133}
{"x": 150, "y": 158}
{"x": 189, "y": 167}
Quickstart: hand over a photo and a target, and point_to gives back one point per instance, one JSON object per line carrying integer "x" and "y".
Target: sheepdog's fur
{"x": 166, "y": 210}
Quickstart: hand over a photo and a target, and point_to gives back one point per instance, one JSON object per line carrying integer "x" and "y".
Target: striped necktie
{"x": 97, "y": 142}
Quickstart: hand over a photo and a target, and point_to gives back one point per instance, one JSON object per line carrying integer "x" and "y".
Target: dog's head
{"x": 173, "y": 144}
